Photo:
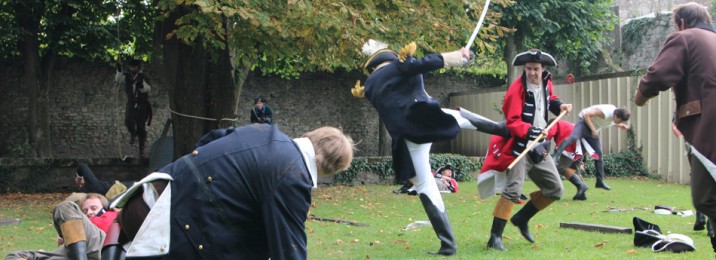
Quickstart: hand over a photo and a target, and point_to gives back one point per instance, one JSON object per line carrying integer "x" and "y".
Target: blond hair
{"x": 102, "y": 199}
{"x": 334, "y": 150}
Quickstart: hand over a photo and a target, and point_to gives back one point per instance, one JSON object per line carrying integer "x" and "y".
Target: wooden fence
{"x": 664, "y": 154}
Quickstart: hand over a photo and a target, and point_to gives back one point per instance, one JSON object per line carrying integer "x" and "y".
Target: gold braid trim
{"x": 365, "y": 65}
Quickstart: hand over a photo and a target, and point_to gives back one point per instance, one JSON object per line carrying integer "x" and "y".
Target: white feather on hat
{"x": 373, "y": 46}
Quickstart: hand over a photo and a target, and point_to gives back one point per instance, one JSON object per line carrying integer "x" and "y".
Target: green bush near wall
{"x": 382, "y": 166}
{"x": 623, "y": 164}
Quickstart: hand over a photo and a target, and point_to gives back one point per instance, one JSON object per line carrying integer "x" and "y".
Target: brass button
{"x": 195, "y": 153}
{"x": 201, "y": 247}
{"x": 688, "y": 112}
{"x": 186, "y": 226}
{"x": 161, "y": 249}
{"x": 209, "y": 179}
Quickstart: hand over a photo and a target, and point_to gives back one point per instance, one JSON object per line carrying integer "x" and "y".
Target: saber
{"x": 539, "y": 137}
{"x": 479, "y": 24}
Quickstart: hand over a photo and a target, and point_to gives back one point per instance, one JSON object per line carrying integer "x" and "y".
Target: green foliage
{"x": 572, "y": 30}
{"x": 94, "y": 30}
{"x": 286, "y": 37}
{"x": 623, "y": 164}
{"x": 382, "y": 166}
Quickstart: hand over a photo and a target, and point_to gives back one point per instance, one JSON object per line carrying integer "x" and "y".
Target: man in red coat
{"x": 526, "y": 106}
{"x": 568, "y": 161}
{"x": 686, "y": 65}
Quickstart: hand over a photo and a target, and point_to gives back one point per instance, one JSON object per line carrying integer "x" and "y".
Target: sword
{"x": 479, "y": 24}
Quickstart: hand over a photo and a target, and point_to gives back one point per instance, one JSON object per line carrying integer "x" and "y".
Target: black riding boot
{"x": 77, "y": 250}
{"x": 485, "y": 125}
{"x": 700, "y": 221}
{"x": 441, "y": 225}
{"x": 600, "y": 182}
{"x": 581, "y": 187}
{"x": 498, "y": 226}
{"x": 522, "y": 218}
{"x": 713, "y": 243}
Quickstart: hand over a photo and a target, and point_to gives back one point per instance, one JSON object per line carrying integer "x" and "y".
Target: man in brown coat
{"x": 687, "y": 64}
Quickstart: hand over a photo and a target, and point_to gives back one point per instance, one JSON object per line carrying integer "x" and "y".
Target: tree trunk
{"x": 198, "y": 86}
{"x": 37, "y": 96}
{"x": 515, "y": 44}
{"x": 384, "y": 141}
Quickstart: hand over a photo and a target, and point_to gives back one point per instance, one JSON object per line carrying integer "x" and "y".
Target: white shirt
{"x": 599, "y": 123}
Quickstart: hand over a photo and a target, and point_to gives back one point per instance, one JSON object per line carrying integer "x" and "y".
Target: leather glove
{"x": 534, "y": 132}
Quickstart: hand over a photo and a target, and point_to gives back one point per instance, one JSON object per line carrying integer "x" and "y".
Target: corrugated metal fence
{"x": 663, "y": 153}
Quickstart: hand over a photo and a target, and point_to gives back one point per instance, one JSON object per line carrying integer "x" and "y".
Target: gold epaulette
{"x": 358, "y": 91}
{"x": 406, "y": 51}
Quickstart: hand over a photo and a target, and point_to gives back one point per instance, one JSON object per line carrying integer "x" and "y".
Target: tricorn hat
{"x": 134, "y": 62}
{"x": 378, "y": 52}
{"x": 446, "y": 167}
{"x": 534, "y": 55}
{"x": 259, "y": 99}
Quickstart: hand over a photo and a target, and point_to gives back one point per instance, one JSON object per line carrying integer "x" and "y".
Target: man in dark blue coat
{"x": 414, "y": 120}
{"x": 243, "y": 196}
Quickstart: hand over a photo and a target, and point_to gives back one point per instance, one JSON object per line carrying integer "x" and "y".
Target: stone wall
{"x": 87, "y": 108}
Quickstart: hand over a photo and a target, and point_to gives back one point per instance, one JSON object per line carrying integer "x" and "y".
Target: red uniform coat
{"x": 501, "y": 151}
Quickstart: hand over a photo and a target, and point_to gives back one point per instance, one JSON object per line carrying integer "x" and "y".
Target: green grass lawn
{"x": 387, "y": 214}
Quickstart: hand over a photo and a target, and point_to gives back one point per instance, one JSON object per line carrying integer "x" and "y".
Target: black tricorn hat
{"x": 134, "y": 62}
{"x": 446, "y": 167}
{"x": 259, "y": 99}
{"x": 534, "y": 55}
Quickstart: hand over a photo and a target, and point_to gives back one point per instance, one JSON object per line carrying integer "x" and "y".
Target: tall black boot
{"x": 599, "y": 168}
{"x": 601, "y": 184}
{"x": 522, "y": 218}
{"x": 581, "y": 187}
{"x": 700, "y": 221}
{"x": 485, "y": 125}
{"x": 713, "y": 243}
{"x": 498, "y": 226}
{"x": 441, "y": 225}
{"x": 77, "y": 250}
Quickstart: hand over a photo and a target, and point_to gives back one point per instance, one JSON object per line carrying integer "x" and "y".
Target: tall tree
{"x": 208, "y": 47}
{"x": 42, "y": 30}
{"x": 570, "y": 29}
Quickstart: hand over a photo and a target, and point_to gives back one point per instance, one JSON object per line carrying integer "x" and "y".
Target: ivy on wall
{"x": 633, "y": 32}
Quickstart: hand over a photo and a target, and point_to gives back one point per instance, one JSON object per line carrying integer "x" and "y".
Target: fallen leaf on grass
{"x": 338, "y": 241}
{"x": 602, "y": 244}
{"x": 535, "y": 247}
{"x": 631, "y": 252}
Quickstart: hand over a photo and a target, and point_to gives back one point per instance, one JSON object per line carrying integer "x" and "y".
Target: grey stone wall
{"x": 86, "y": 111}
{"x": 87, "y": 108}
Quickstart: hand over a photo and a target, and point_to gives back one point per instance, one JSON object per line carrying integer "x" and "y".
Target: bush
{"x": 382, "y": 166}
{"x": 623, "y": 164}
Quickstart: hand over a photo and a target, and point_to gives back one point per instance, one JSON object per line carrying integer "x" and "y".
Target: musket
{"x": 539, "y": 137}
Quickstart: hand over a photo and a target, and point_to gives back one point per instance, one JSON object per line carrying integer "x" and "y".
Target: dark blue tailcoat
{"x": 408, "y": 112}
{"x": 243, "y": 196}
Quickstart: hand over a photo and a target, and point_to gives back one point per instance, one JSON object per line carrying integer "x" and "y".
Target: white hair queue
{"x": 373, "y": 46}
